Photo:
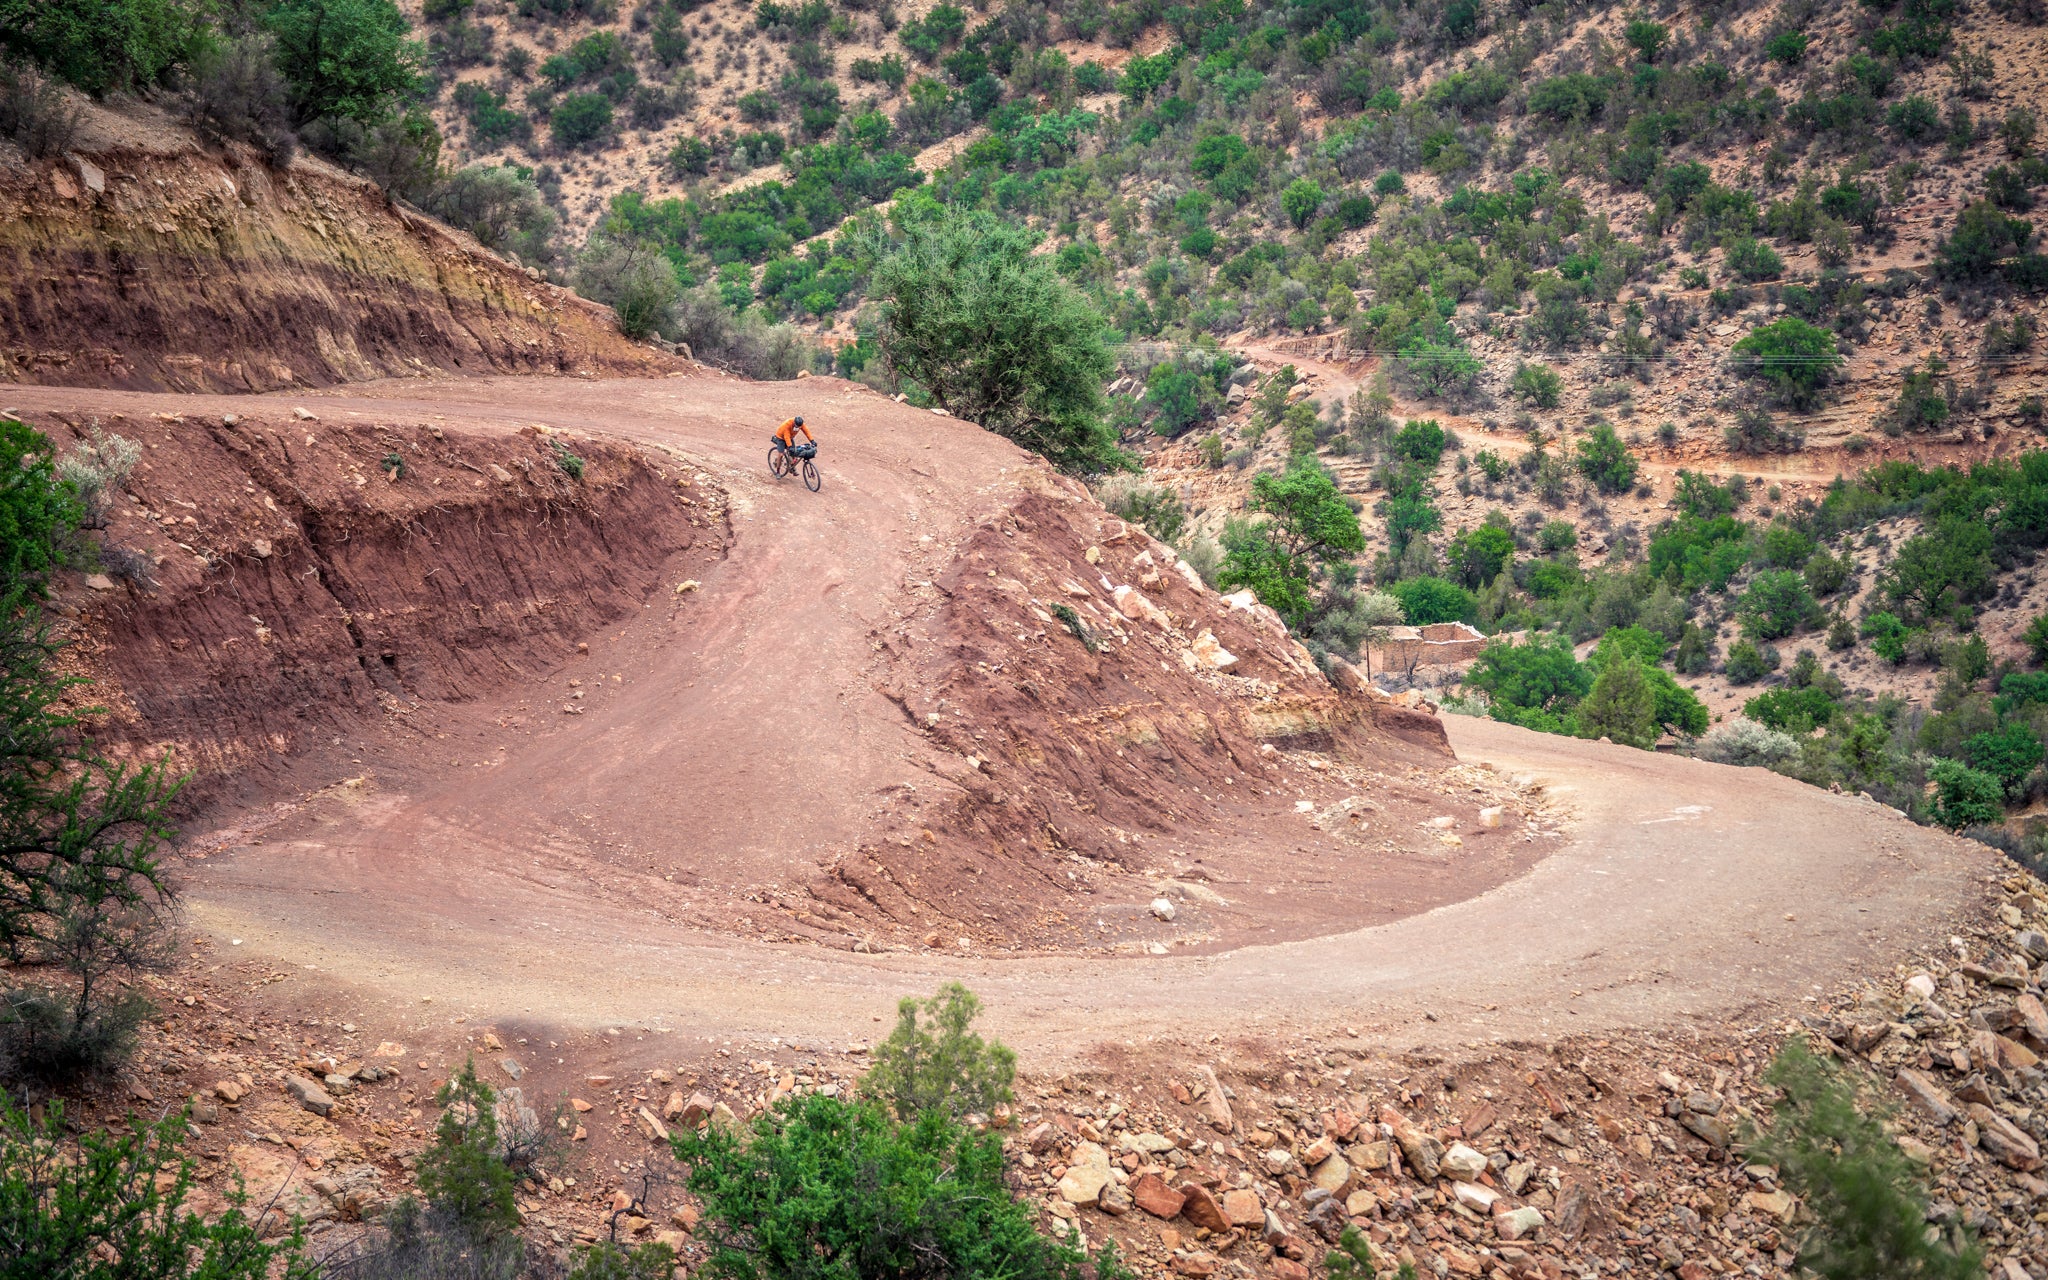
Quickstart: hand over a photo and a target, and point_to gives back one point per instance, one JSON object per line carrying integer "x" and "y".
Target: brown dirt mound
{"x": 292, "y": 587}
{"x": 1096, "y": 751}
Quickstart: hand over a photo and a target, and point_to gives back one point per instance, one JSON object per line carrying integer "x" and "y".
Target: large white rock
{"x": 1133, "y": 604}
{"x": 1086, "y": 1175}
{"x": 1211, "y": 654}
{"x": 1463, "y": 1163}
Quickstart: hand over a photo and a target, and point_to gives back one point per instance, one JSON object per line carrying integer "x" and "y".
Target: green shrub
{"x": 571, "y": 465}
{"x": 1420, "y": 441}
{"x": 1796, "y": 710}
{"x": 1753, "y": 260}
{"x": 580, "y": 120}
{"x": 1982, "y": 238}
{"x": 1867, "y": 1202}
{"x": 1352, "y": 1259}
{"x": 463, "y": 1174}
{"x": 1777, "y": 604}
{"x": 1621, "y": 706}
{"x": 1747, "y": 664}
{"x": 1791, "y": 357}
{"x": 1536, "y": 684}
{"x": 102, "y": 46}
{"x": 2008, "y": 753}
{"x": 607, "y": 1261}
{"x": 1427, "y": 600}
{"x": 1536, "y": 385}
{"x": 823, "y": 1188}
{"x": 1301, "y": 200}
{"x": 934, "y": 1062}
{"x": 1914, "y": 119}
{"x": 39, "y": 512}
{"x": 1156, "y": 507}
{"x": 1887, "y": 636}
{"x": 1788, "y": 47}
{"x": 1606, "y": 461}
{"x": 2036, "y": 639}
{"x": 1478, "y": 555}
{"x": 102, "y": 1205}
{"x": 1965, "y": 797}
{"x": 1071, "y": 620}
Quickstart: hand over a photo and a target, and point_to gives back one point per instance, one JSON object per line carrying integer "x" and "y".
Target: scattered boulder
{"x": 1517, "y": 1224}
{"x": 1151, "y": 1194}
{"x": 1086, "y": 1175}
{"x": 308, "y": 1095}
{"x": 1201, "y": 1209}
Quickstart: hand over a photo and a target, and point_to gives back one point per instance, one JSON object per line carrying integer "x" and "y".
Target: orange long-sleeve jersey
{"x": 787, "y": 433}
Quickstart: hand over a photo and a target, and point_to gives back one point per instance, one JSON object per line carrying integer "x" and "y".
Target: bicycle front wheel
{"x": 811, "y": 477}
{"x": 778, "y": 463}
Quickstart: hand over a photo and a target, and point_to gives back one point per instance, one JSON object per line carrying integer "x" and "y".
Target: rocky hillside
{"x": 143, "y": 259}
{"x": 1246, "y": 1156}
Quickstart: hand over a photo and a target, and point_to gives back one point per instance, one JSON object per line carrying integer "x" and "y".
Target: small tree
{"x": 1777, "y": 604}
{"x": 1536, "y": 385}
{"x": 633, "y": 278}
{"x": 1606, "y": 461}
{"x": 940, "y": 1064}
{"x": 1621, "y": 706}
{"x": 80, "y": 884}
{"x": 115, "y": 1206}
{"x": 1308, "y": 523}
{"x": 1934, "y": 572}
{"x": 996, "y": 335}
{"x": 1478, "y": 555}
{"x": 1301, "y": 200}
{"x": 1868, "y": 1204}
{"x": 1792, "y": 358}
{"x": 345, "y": 59}
{"x": 463, "y": 1176}
{"x": 1426, "y": 600}
{"x": 1965, "y": 797}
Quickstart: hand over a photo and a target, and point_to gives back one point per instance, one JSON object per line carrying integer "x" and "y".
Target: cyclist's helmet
{"x": 799, "y": 420}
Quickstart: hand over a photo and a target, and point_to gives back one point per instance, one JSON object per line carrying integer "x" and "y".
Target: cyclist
{"x": 785, "y": 437}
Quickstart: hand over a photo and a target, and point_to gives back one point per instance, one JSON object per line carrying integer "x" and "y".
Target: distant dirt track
{"x": 1684, "y": 893}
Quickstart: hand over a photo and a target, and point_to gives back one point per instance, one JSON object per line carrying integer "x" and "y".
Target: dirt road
{"x": 1678, "y": 891}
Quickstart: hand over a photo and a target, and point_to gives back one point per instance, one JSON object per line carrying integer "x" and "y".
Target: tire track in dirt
{"x": 1683, "y": 892}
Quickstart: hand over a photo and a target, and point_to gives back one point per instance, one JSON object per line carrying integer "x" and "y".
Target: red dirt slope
{"x": 759, "y": 753}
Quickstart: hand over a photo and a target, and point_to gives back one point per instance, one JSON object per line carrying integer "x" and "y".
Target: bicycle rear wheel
{"x": 778, "y": 463}
{"x": 811, "y": 477}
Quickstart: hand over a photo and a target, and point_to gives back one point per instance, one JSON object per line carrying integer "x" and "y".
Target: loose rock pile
{"x": 1589, "y": 1156}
